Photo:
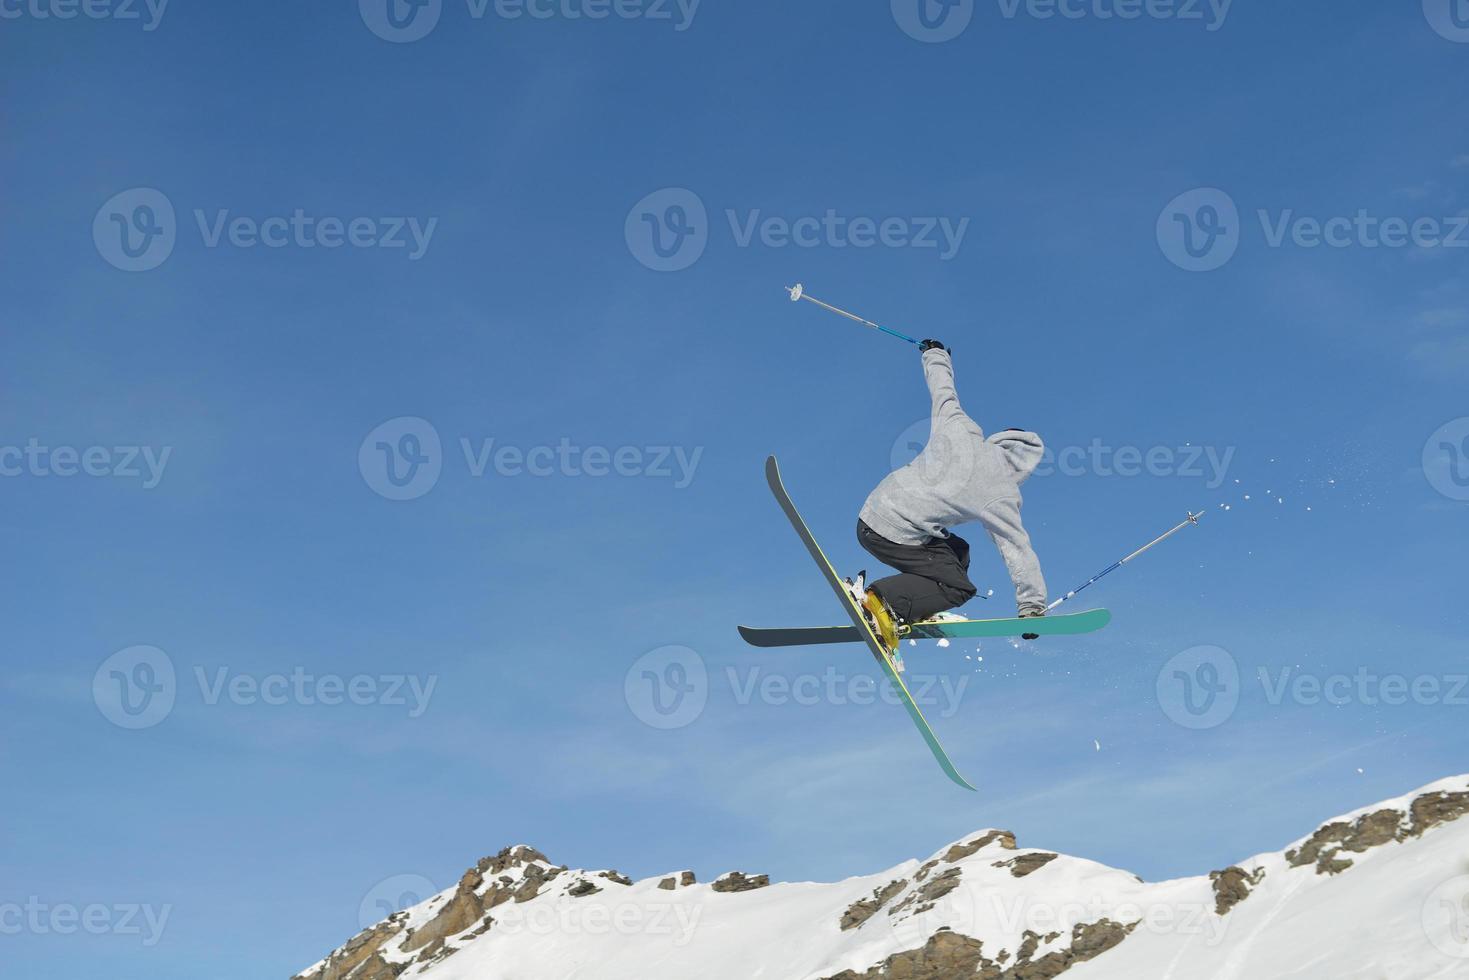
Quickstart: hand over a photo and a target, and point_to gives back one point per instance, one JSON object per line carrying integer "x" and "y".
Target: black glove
{"x": 929, "y": 345}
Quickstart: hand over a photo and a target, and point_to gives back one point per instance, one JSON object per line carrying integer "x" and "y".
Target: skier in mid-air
{"x": 960, "y": 477}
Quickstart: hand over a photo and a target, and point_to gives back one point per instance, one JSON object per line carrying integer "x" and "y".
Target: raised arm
{"x": 1002, "y": 520}
{"x": 938, "y": 371}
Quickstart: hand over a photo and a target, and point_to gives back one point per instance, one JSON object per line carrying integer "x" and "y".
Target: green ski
{"x": 859, "y": 622}
{"x": 953, "y": 629}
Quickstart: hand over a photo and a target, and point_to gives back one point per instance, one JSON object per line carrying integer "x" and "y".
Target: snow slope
{"x": 1381, "y": 893}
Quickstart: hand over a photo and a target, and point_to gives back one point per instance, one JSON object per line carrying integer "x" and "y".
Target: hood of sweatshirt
{"x": 1022, "y": 450}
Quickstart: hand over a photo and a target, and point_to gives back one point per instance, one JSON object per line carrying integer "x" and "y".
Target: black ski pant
{"x": 935, "y": 574}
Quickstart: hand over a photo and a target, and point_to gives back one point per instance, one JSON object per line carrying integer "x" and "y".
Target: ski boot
{"x": 1032, "y": 614}
{"x": 879, "y": 616}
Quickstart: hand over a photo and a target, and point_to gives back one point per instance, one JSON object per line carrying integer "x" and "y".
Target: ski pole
{"x": 798, "y": 293}
{"x": 1193, "y": 520}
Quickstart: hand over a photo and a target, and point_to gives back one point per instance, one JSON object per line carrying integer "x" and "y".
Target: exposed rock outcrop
{"x": 738, "y": 881}
{"x": 683, "y": 880}
{"x": 859, "y": 912}
{"x": 1027, "y": 863}
{"x": 923, "y": 898}
{"x": 465, "y": 909}
{"x": 1432, "y": 809}
{"x": 1232, "y": 886}
{"x": 969, "y": 848}
{"x": 1325, "y": 848}
{"x": 945, "y": 956}
{"x": 1088, "y": 941}
{"x": 949, "y": 955}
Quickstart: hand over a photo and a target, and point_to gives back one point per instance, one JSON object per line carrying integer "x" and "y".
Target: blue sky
{"x": 247, "y": 537}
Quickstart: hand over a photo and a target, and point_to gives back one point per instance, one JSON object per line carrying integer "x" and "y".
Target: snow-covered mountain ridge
{"x": 1382, "y": 892}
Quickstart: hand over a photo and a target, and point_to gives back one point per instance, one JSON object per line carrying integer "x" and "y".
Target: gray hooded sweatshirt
{"x": 960, "y": 477}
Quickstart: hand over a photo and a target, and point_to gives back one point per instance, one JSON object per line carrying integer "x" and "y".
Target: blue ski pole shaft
{"x": 798, "y": 293}
{"x": 1193, "y": 520}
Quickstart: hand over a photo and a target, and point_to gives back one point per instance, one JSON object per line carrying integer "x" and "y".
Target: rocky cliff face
{"x": 1358, "y": 890}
